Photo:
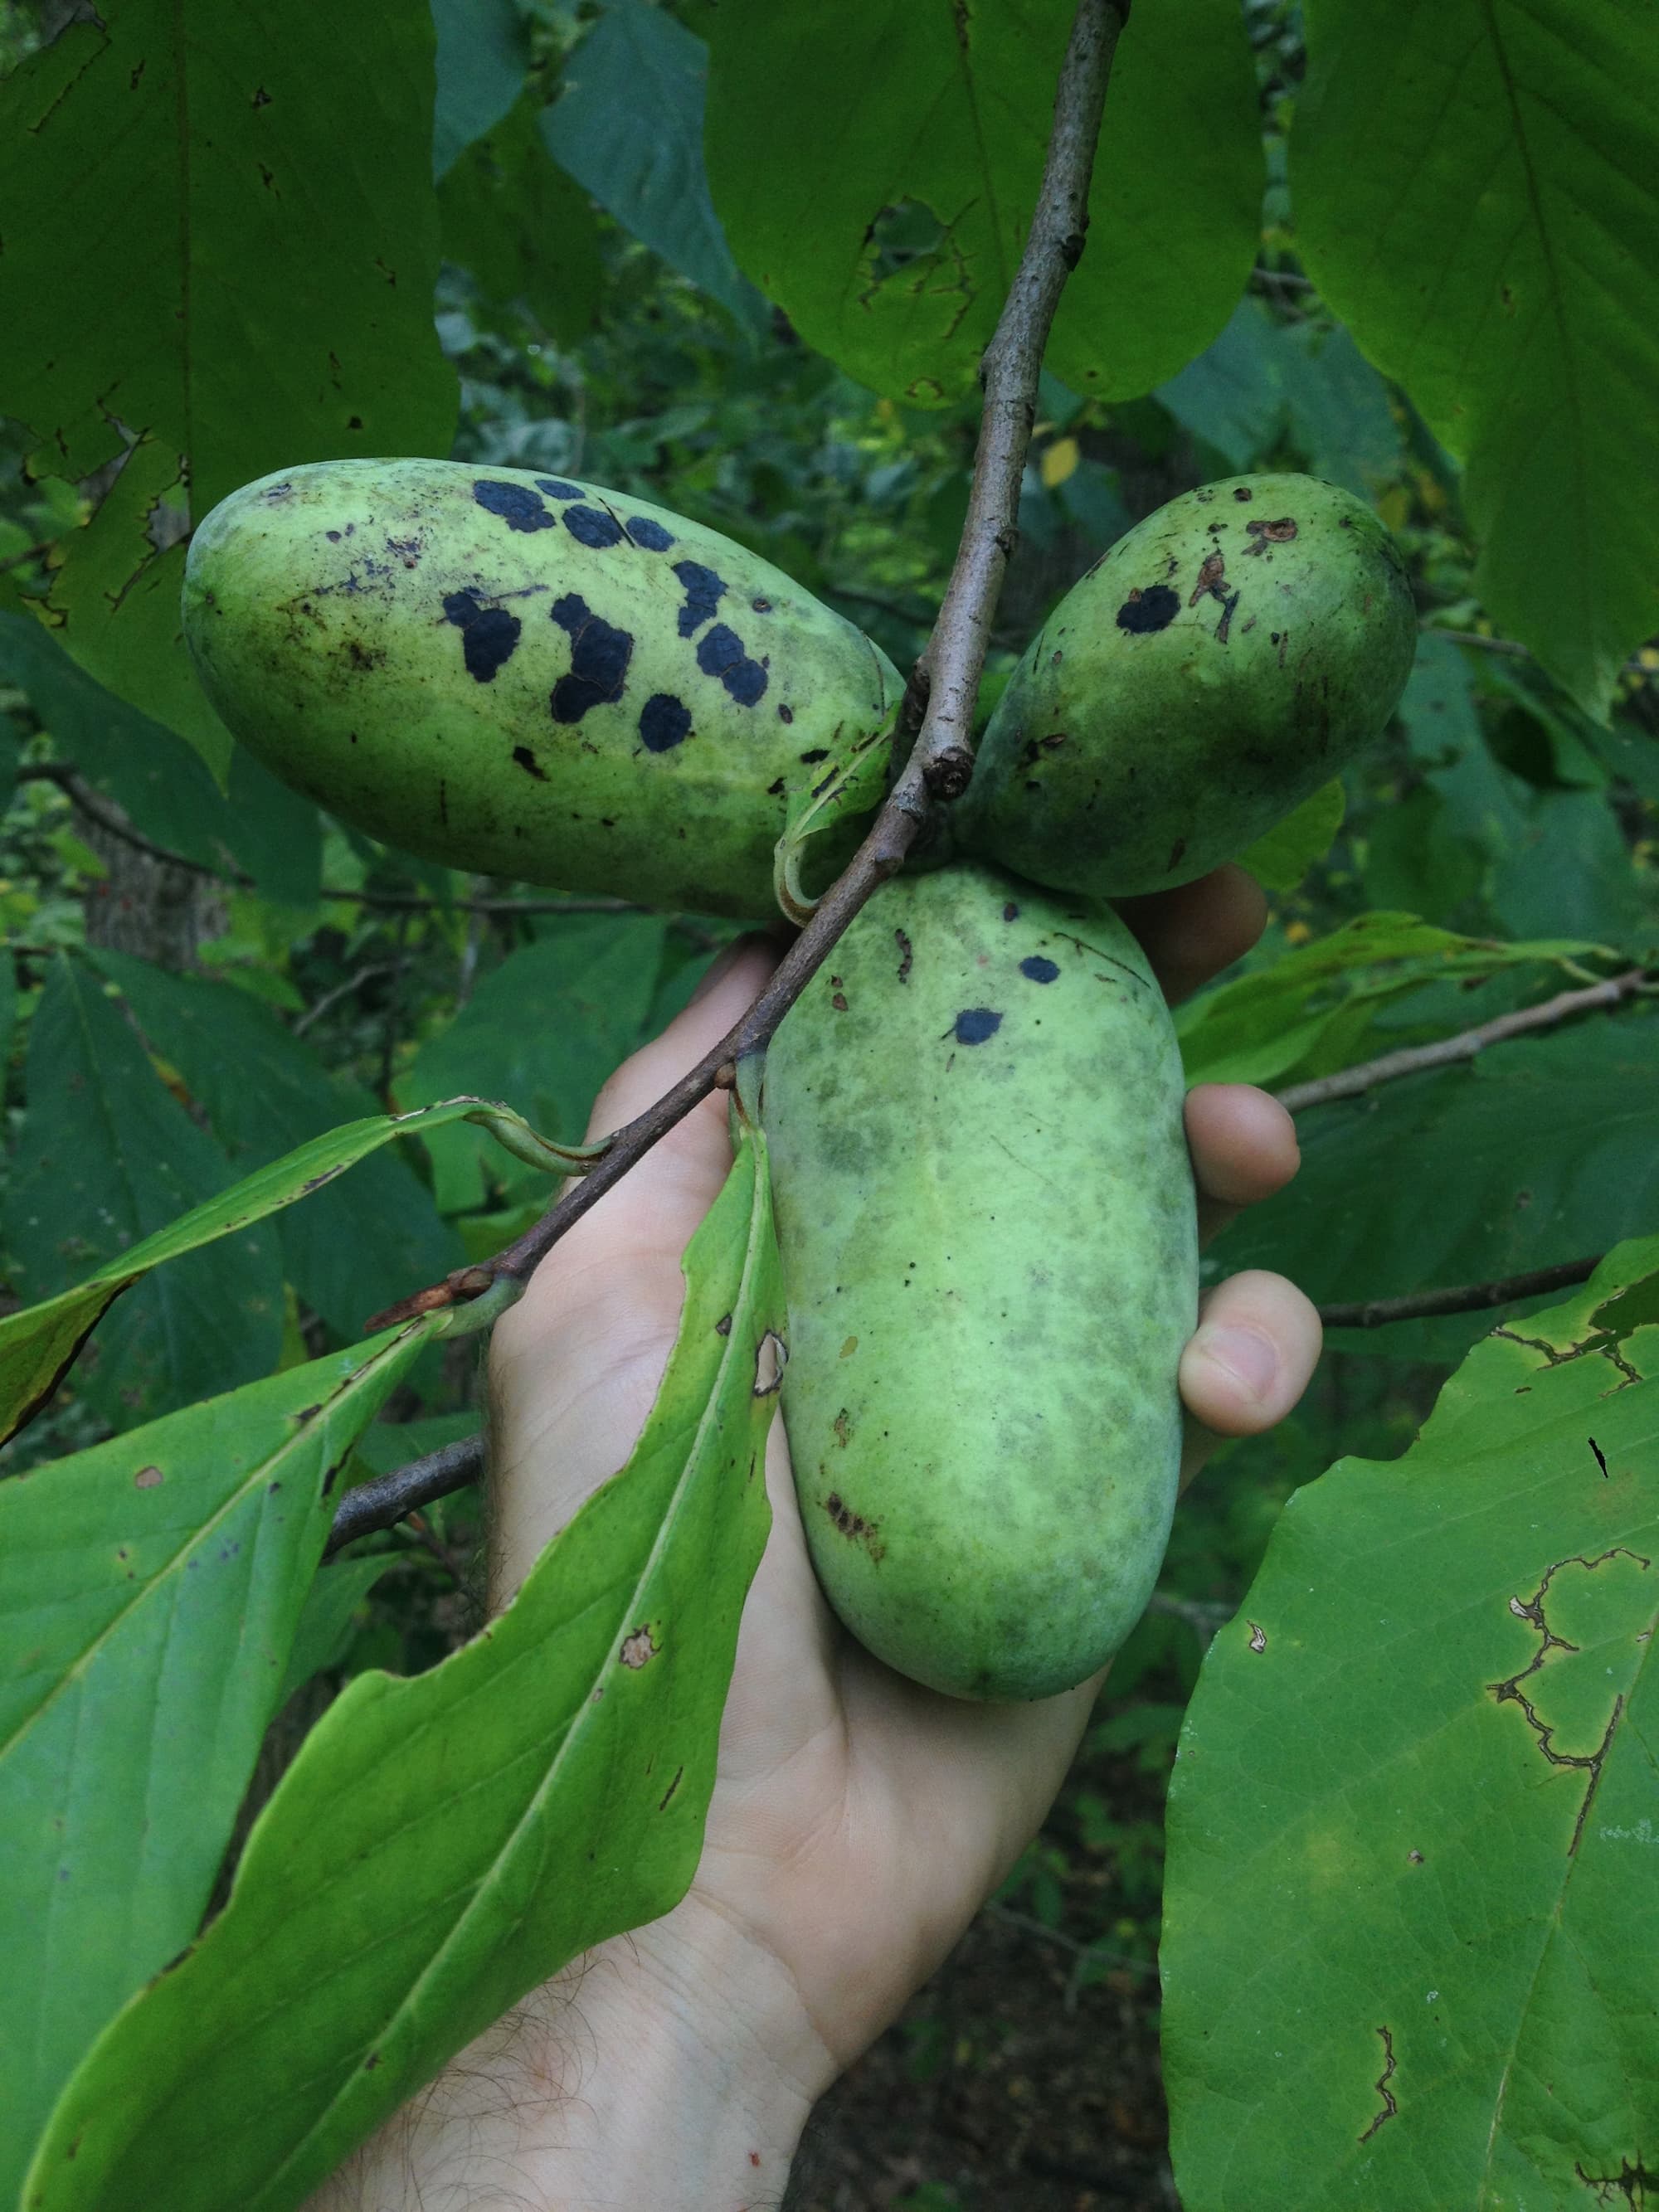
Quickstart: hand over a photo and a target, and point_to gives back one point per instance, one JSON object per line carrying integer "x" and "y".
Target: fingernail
{"x": 1250, "y": 1360}
{"x": 720, "y": 965}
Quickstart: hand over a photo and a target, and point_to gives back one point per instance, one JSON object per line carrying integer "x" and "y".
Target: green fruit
{"x": 535, "y": 677}
{"x": 1208, "y": 674}
{"x": 986, "y": 1215}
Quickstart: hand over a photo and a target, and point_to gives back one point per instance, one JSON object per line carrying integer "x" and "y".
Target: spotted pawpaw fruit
{"x": 519, "y": 673}
{"x": 985, "y": 1216}
{"x": 1219, "y": 663}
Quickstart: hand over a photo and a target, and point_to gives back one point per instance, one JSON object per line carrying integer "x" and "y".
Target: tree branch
{"x": 1461, "y": 1298}
{"x": 379, "y": 1503}
{"x": 1444, "y": 1052}
{"x": 941, "y": 760}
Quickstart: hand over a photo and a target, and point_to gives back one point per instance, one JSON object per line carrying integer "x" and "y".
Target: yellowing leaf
{"x": 1059, "y": 461}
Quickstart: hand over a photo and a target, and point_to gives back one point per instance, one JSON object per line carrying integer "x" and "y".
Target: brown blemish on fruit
{"x": 1263, "y": 534}
{"x": 854, "y": 1527}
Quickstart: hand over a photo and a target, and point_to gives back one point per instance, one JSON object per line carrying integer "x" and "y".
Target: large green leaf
{"x": 38, "y": 1345}
{"x": 443, "y": 1845}
{"x": 1477, "y": 194}
{"x": 628, "y": 127}
{"x": 875, "y": 164}
{"x": 356, "y": 1246}
{"x": 149, "y": 1593}
{"x": 176, "y": 269}
{"x": 1540, "y": 1150}
{"x": 482, "y": 57}
{"x": 1412, "y": 1906}
{"x": 543, "y": 1030}
{"x": 524, "y": 229}
{"x": 105, "y": 1155}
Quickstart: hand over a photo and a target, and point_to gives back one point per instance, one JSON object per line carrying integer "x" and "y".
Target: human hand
{"x": 858, "y": 1820}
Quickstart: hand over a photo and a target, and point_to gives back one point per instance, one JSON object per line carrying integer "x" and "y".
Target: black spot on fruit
{"x": 592, "y": 525}
{"x": 527, "y": 761}
{"x": 488, "y": 634}
{"x": 665, "y": 720}
{"x": 703, "y": 593}
{"x": 817, "y": 753}
{"x": 974, "y": 1024}
{"x": 651, "y": 535}
{"x": 722, "y": 654}
{"x": 556, "y": 488}
{"x": 516, "y": 504}
{"x": 1010, "y": 912}
{"x": 1242, "y": 492}
{"x": 1037, "y": 969}
{"x": 786, "y": 714}
{"x": 1149, "y": 611}
{"x": 599, "y": 655}
{"x": 333, "y": 536}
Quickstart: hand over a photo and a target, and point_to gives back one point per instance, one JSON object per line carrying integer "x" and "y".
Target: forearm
{"x": 626, "y": 2082}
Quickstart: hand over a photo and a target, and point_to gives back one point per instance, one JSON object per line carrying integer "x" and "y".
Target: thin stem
{"x": 1461, "y": 1298}
{"x": 1350, "y": 1082}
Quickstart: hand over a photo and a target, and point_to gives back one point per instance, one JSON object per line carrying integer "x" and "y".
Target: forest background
{"x": 203, "y": 971}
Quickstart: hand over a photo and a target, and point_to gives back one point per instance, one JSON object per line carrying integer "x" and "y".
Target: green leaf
{"x": 525, "y": 229}
{"x": 354, "y": 1249}
{"x": 378, "y": 1923}
{"x": 159, "y": 780}
{"x": 234, "y": 314}
{"x": 628, "y": 127}
{"x": 545, "y": 1030}
{"x": 114, "y": 602}
{"x": 482, "y": 57}
{"x": 875, "y": 167}
{"x": 1412, "y": 1893}
{"x": 1475, "y": 197}
{"x": 324, "y": 1627}
{"x": 1540, "y": 1150}
{"x": 1263, "y": 385}
{"x": 1280, "y": 860}
{"x": 1275, "y": 1018}
{"x": 105, "y": 1155}
{"x": 38, "y": 1344}
{"x": 150, "y": 1589}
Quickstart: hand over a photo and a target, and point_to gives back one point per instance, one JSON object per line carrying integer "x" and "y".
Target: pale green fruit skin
{"x": 1129, "y": 759}
{"x": 990, "y": 1258}
{"x": 352, "y": 622}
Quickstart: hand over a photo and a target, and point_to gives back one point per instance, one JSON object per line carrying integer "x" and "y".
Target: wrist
{"x": 672, "y": 2068}
{"x": 684, "y": 2072}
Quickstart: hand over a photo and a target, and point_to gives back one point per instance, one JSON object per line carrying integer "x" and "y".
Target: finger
{"x": 1192, "y": 932}
{"x": 1243, "y": 1146}
{"x": 1256, "y": 1345}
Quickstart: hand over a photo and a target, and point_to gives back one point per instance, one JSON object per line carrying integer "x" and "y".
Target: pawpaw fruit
{"x": 1224, "y": 658}
{"x": 986, "y": 1217}
{"x": 523, "y": 674}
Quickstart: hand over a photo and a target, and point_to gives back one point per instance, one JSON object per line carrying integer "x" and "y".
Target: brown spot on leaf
{"x": 148, "y": 1478}
{"x": 639, "y": 1648}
